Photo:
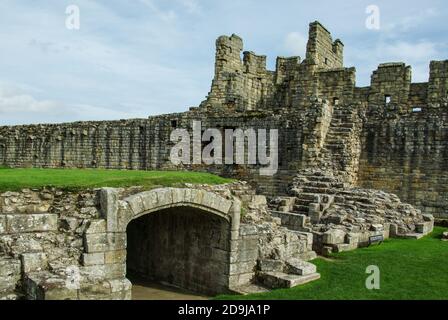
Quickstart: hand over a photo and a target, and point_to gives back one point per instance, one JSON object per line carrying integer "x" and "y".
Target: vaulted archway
{"x": 183, "y": 246}
{"x": 182, "y": 237}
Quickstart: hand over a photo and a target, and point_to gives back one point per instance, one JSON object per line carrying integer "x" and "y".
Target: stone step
{"x": 359, "y": 199}
{"x": 277, "y": 280}
{"x": 316, "y": 190}
{"x": 318, "y": 184}
{"x": 301, "y": 209}
{"x": 347, "y": 124}
{"x": 415, "y": 236}
{"x": 339, "y": 129}
{"x": 250, "y": 288}
{"x": 300, "y": 267}
{"x": 312, "y": 197}
{"x": 320, "y": 178}
{"x": 343, "y": 134}
{"x": 303, "y": 202}
{"x": 334, "y": 146}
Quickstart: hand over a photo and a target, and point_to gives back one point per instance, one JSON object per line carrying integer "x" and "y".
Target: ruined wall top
{"x": 322, "y": 50}
{"x": 245, "y": 84}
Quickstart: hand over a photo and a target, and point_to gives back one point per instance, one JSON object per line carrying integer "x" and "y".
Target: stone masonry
{"x": 81, "y": 245}
{"x": 350, "y": 161}
{"x": 400, "y": 137}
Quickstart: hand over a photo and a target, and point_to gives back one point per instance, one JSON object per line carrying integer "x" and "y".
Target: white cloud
{"x": 20, "y": 107}
{"x": 410, "y": 22}
{"x": 192, "y": 6}
{"x": 166, "y": 16}
{"x": 295, "y": 44}
{"x": 410, "y": 52}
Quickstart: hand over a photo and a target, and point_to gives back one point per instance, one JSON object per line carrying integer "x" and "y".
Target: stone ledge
{"x": 22, "y": 223}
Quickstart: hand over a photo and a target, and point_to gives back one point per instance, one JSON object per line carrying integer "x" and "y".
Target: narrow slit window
{"x": 417, "y": 109}
{"x": 387, "y": 99}
{"x": 173, "y": 123}
{"x": 335, "y": 101}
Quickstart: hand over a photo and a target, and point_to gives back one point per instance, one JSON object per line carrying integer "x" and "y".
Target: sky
{"x": 137, "y": 58}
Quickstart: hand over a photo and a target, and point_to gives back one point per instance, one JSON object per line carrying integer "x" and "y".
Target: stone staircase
{"x": 312, "y": 193}
{"x": 342, "y": 217}
{"x": 341, "y": 150}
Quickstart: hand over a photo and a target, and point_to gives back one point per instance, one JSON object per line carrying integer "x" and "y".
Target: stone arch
{"x": 160, "y": 199}
{"x": 109, "y": 239}
{"x": 119, "y": 213}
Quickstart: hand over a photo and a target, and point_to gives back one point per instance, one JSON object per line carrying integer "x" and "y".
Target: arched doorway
{"x": 184, "y": 246}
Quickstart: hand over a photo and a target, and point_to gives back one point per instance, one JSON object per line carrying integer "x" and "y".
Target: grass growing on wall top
{"x": 75, "y": 179}
{"x": 409, "y": 270}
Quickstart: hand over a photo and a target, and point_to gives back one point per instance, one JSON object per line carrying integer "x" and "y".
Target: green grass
{"x": 76, "y": 179}
{"x": 410, "y": 269}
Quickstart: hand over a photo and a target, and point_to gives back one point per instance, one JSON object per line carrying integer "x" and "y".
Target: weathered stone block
{"x": 9, "y": 274}
{"x": 425, "y": 227}
{"x": 244, "y": 256}
{"x": 92, "y": 259}
{"x": 352, "y": 238}
{"x": 97, "y": 226}
{"x": 333, "y": 236}
{"x": 32, "y": 262}
{"x": 136, "y": 204}
{"x": 116, "y": 256}
{"x": 95, "y": 291}
{"x": 46, "y": 286}
{"x": 2, "y": 224}
{"x": 115, "y": 271}
{"x": 297, "y": 266}
{"x": 109, "y": 207}
{"x": 149, "y": 199}
{"x": 243, "y": 267}
{"x": 377, "y": 227}
{"x": 271, "y": 265}
{"x": 102, "y": 242}
{"x": 236, "y": 280}
{"x": 164, "y": 197}
{"x": 32, "y": 223}
{"x": 178, "y": 195}
{"x": 120, "y": 285}
{"x": 94, "y": 273}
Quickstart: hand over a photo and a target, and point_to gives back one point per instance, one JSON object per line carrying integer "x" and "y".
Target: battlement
{"x": 438, "y": 81}
{"x": 321, "y": 50}
{"x": 246, "y": 84}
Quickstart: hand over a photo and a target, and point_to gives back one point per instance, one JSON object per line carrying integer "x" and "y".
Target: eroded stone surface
{"x": 71, "y": 251}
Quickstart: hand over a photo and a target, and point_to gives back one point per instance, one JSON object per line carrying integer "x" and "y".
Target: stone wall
{"x": 402, "y": 135}
{"x": 74, "y": 245}
{"x": 408, "y": 156}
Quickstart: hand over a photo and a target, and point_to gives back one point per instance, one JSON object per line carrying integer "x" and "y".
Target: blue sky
{"x": 138, "y": 58}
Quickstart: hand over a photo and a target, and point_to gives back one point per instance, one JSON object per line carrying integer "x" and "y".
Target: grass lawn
{"x": 410, "y": 269}
{"x": 74, "y": 179}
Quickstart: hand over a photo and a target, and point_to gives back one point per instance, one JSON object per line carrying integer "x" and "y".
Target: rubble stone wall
{"x": 74, "y": 245}
{"x": 408, "y": 156}
{"x": 401, "y": 135}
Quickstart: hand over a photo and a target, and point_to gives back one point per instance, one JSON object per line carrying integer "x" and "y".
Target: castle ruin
{"x": 348, "y": 157}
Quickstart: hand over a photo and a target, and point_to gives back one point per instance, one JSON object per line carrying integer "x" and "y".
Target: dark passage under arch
{"x": 182, "y": 246}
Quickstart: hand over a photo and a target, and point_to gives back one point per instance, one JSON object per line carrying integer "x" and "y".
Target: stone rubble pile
{"x": 344, "y": 218}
